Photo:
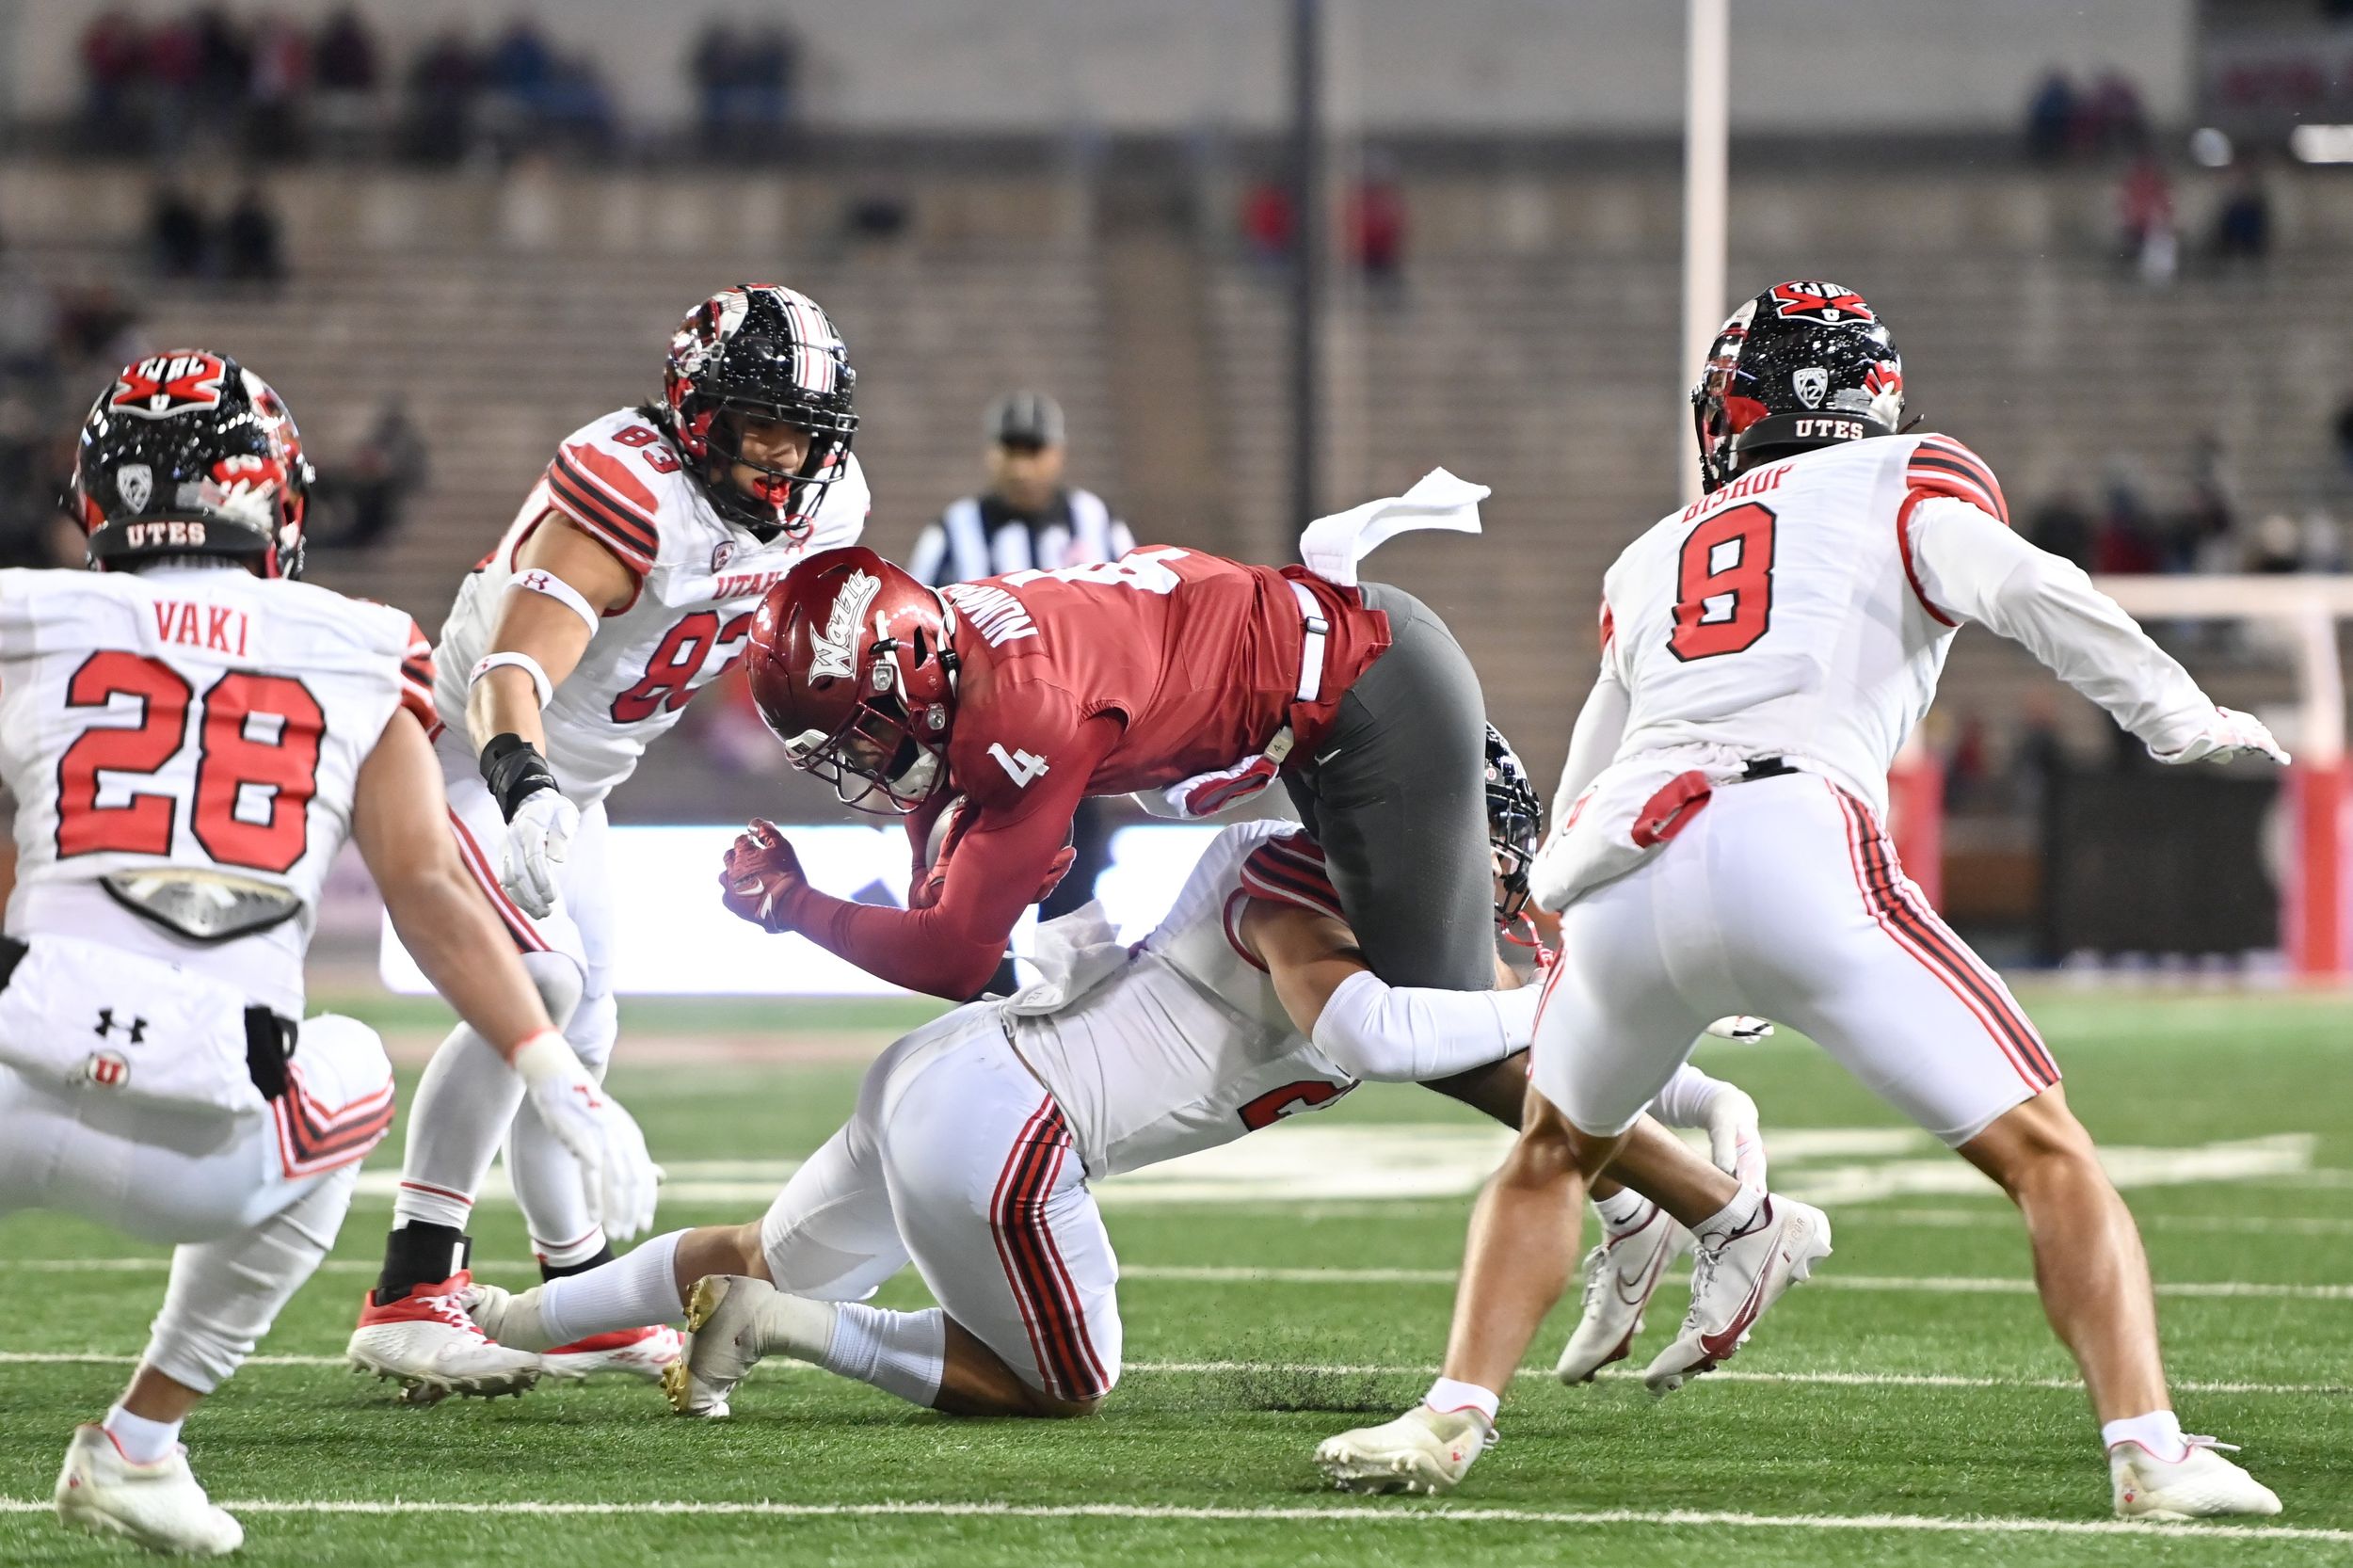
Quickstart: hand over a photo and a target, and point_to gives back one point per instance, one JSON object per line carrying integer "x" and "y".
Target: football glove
{"x": 618, "y": 1174}
{"x": 2230, "y": 734}
{"x": 1736, "y": 1141}
{"x": 761, "y": 872}
{"x": 538, "y": 837}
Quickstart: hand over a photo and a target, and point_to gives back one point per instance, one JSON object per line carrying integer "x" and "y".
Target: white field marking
{"x": 2005, "y": 1218}
{"x": 1402, "y": 1161}
{"x": 1220, "y": 1274}
{"x": 1369, "y": 1512}
{"x": 1196, "y": 1368}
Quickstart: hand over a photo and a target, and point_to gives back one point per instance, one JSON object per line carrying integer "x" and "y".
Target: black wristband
{"x": 514, "y": 769}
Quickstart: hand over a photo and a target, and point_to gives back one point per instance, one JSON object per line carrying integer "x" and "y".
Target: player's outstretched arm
{"x": 1368, "y": 1028}
{"x": 564, "y": 582}
{"x": 1970, "y": 566}
{"x": 400, "y": 821}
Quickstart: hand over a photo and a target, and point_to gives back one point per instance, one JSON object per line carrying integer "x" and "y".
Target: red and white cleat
{"x": 426, "y": 1343}
{"x": 158, "y": 1506}
{"x": 642, "y": 1352}
{"x": 1732, "y": 1285}
{"x": 2202, "y": 1484}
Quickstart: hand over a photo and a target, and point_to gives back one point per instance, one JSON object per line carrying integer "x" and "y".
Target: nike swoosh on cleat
{"x": 1721, "y": 1345}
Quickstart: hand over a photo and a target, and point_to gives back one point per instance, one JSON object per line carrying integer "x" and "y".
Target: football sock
{"x": 900, "y": 1353}
{"x": 2159, "y": 1431}
{"x": 1623, "y": 1211}
{"x": 418, "y": 1253}
{"x": 557, "y": 1262}
{"x": 142, "y": 1441}
{"x": 629, "y": 1292}
{"x": 463, "y": 1106}
{"x": 1735, "y": 1219}
{"x": 1447, "y": 1395}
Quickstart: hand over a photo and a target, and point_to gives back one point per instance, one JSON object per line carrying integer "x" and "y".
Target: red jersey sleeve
{"x": 416, "y": 677}
{"x": 1942, "y": 466}
{"x": 951, "y": 949}
{"x": 596, "y": 492}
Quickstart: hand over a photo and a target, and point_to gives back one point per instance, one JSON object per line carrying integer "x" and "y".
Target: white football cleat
{"x": 1423, "y": 1450}
{"x": 1732, "y": 1284}
{"x": 641, "y": 1352}
{"x": 158, "y": 1506}
{"x": 2199, "y": 1485}
{"x": 1620, "y": 1276}
{"x": 426, "y": 1343}
{"x": 724, "y": 1314}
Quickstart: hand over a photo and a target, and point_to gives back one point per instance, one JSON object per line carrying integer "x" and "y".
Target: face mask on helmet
{"x": 761, "y": 351}
{"x": 1514, "y": 821}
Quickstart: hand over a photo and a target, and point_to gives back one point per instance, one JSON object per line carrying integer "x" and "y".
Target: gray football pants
{"x": 1395, "y": 793}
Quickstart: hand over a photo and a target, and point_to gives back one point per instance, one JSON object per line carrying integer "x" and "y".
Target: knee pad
{"x": 594, "y": 1025}
{"x": 342, "y": 1059}
{"x": 560, "y": 984}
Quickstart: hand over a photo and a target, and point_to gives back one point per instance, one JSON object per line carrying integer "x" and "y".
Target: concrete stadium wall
{"x": 1581, "y": 65}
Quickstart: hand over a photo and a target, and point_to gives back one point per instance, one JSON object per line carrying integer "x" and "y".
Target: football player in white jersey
{"x": 625, "y": 584}
{"x": 975, "y": 1139}
{"x": 190, "y": 736}
{"x": 1765, "y": 651}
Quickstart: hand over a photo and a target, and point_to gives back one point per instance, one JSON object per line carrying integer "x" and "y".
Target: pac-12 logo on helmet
{"x": 162, "y": 386}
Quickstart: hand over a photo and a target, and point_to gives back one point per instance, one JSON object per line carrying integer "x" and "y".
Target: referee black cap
{"x": 1025, "y": 419}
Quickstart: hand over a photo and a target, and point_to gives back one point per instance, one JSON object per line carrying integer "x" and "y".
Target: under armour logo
{"x": 136, "y": 1028}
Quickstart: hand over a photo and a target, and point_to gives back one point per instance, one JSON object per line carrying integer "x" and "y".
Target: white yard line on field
{"x": 1329, "y": 1513}
{"x": 1151, "y": 1368}
{"x": 1217, "y": 1273}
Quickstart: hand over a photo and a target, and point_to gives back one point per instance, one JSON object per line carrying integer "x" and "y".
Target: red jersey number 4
{"x": 1724, "y": 584}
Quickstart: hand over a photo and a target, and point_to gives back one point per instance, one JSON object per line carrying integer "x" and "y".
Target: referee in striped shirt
{"x": 1027, "y": 517}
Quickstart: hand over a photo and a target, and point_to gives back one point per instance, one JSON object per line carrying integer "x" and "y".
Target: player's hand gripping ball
{"x": 761, "y": 873}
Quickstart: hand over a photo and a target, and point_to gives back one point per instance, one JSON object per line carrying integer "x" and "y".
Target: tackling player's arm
{"x": 563, "y": 584}
{"x": 400, "y": 821}
{"x": 1005, "y": 861}
{"x": 1368, "y": 1028}
{"x": 1968, "y": 566}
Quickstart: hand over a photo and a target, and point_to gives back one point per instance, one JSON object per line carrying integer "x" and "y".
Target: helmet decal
{"x": 1811, "y": 299}
{"x": 162, "y": 386}
{"x": 830, "y": 652}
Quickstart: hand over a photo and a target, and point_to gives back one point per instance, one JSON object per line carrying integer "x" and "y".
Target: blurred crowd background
{"x": 2110, "y": 238}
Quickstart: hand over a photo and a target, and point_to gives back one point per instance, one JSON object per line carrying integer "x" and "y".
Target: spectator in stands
{"x": 1270, "y": 221}
{"x": 251, "y": 248}
{"x": 2051, "y": 118}
{"x": 2126, "y": 540}
{"x": 179, "y": 235}
{"x": 2144, "y": 207}
{"x": 1028, "y": 517}
{"x": 346, "y": 66}
{"x": 2062, "y": 525}
{"x": 445, "y": 82}
{"x": 175, "y": 65}
{"x": 575, "y": 110}
{"x": 224, "y": 61}
{"x": 2242, "y": 229}
{"x": 2278, "y": 545}
{"x": 744, "y": 83}
{"x": 279, "y": 87}
{"x": 1374, "y": 223}
{"x": 389, "y": 467}
{"x": 114, "y": 70}
{"x": 518, "y": 72}
{"x": 2116, "y": 120}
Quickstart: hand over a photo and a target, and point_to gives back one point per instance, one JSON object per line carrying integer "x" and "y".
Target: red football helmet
{"x": 853, "y": 664}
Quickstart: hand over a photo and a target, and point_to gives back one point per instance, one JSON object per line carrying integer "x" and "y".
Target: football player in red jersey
{"x": 1013, "y": 697}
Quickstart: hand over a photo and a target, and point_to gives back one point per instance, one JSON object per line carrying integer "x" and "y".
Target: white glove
{"x": 1736, "y": 1144}
{"x": 537, "y": 839}
{"x": 1741, "y": 1027}
{"x": 616, "y": 1175}
{"x": 2228, "y": 735}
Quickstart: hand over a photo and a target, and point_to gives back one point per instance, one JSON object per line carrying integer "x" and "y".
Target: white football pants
{"x": 254, "y": 1200}
{"x": 469, "y": 1102}
{"x": 1782, "y": 898}
{"x": 958, "y": 1159}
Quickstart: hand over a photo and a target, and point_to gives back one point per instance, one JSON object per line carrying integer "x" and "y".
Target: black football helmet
{"x": 771, "y": 352}
{"x": 1515, "y": 819}
{"x": 188, "y": 453}
{"x": 1806, "y": 363}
